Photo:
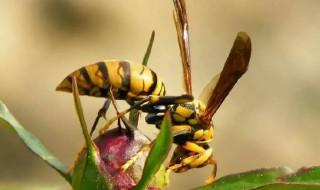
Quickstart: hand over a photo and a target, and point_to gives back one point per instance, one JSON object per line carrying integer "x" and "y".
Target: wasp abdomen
{"x": 126, "y": 79}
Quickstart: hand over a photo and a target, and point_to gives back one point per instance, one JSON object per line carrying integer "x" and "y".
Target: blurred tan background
{"x": 270, "y": 118}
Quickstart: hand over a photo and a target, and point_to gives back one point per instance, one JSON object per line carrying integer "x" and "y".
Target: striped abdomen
{"x": 126, "y": 79}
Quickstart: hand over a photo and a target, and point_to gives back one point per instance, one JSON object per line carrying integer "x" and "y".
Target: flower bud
{"x": 115, "y": 149}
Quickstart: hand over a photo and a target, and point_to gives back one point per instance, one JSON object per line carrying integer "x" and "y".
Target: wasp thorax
{"x": 188, "y": 112}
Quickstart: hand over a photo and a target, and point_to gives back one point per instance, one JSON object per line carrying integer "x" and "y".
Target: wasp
{"x": 192, "y": 121}
{"x": 120, "y": 80}
{"x": 116, "y": 79}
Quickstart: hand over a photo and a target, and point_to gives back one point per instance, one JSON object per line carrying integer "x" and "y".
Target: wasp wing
{"x": 181, "y": 22}
{"x": 235, "y": 66}
{"x": 208, "y": 89}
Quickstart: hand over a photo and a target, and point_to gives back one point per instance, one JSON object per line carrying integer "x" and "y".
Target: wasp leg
{"x": 212, "y": 178}
{"x": 193, "y": 147}
{"x": 169, "y": 170}
{"x": 115, "y": 106}
{"x": 113, "y": 119}
{"x": 148, "y": 104}
{"x": 135, "y": 157}
{"x": 101, "y": 113}
{"x": 193, "y": 156}
{"x": 202, "y": 136}
{"x": 121, "y": 114}
{"x": 176, "y": 130}
{"x": 130, "y": 128}
{"x": 108, "y": 124}
{"x": 193, "y": 162}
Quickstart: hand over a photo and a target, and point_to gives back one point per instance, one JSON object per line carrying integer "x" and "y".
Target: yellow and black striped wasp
{"x": 144, "y": 90}
{"x": 120, "y": 80}
{"x": 192, "y": 121}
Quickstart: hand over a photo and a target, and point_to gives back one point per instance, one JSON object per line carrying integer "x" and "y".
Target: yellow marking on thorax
{"x": 203, "y": 135}
{"x": 208, "y": 135}
{"x": 178, "y": 128}
{"x": 177, "y": 117}
{"x": 198, "y": 134}
{"x": 183, "y": 111}
{"x": 192, "y": 121}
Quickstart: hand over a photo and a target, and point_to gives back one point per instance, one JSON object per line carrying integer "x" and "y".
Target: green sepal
{"x": 87, "y": 172}
{"x": 149, "y": 48}
{"x": 134, "y": 117}
{"x": 32, "y": 142}
{"x": 158, "y": 153}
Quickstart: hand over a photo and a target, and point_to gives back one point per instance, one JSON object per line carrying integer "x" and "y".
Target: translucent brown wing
{"x": 181, "y": 22}
{"x": 235, "y": 66}
{"x": 208, "y": 89}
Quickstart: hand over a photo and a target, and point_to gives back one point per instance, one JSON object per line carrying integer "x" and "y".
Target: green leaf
{"x": 305, "y": 175}
{"x": 304, "y": 178}
{"x": 87, "y": 173}
{"x": 288, "y": 186}
{"x": 32, "y": 142}
{"x": 247, "y": 180}
{"x": 77, "y": 103}
{"x": 134, "y": 113}
{"x": 134, "y": 117}
{"x": 147, "y": 54}
{"x": 158, "y": 153}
